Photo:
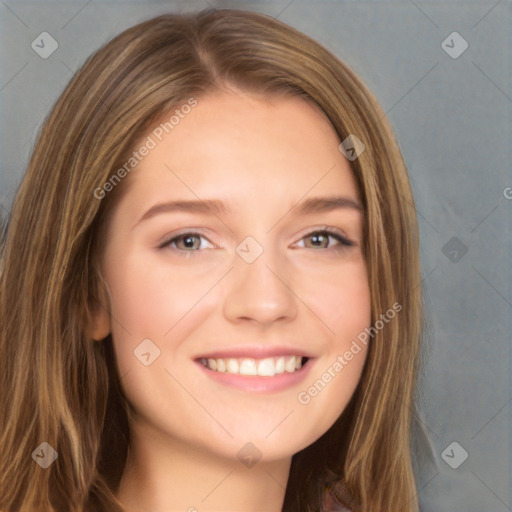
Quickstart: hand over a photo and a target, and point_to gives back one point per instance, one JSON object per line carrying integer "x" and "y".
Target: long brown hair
{"x": 61, "y": 387}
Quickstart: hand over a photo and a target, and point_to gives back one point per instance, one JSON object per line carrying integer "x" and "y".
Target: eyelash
{"x": 343, "y": 245}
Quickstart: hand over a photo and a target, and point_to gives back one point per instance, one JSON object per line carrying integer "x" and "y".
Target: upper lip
{"x": 254, "y": 352}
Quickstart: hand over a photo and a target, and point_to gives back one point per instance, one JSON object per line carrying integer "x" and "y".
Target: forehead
{"x": 242, "y": 149}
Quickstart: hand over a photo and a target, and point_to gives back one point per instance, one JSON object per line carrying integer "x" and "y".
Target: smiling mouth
{"x": 267, "y": 367}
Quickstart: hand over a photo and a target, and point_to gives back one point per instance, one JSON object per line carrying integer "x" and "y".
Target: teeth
{"x": 247, "y": 367}
{"x": 267, "y": 367}
{"x": 232, "y": 366}
{"x": 290, "y": 364}
{"x": 221, "y": 365}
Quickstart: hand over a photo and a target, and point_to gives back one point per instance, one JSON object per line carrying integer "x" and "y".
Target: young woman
{"x": 209, "y": 284}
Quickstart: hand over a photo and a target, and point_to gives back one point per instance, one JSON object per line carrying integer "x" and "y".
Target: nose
{"x": 261, "y": 291}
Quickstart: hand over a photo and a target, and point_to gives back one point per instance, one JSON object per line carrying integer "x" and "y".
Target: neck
{"x": 162, "y": 475}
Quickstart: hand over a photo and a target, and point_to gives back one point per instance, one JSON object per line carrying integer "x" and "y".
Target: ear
{"x": 98, "y": 325}
{"x": 98, "y": 318}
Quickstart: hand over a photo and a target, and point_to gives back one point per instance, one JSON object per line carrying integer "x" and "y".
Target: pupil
{"x": 189, "y": 241}
{"x": 317, "y": 238}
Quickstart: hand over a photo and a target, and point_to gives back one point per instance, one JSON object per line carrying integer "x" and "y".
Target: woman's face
{"x": 245, "y": 287}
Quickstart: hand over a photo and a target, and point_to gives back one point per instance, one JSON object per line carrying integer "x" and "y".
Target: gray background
{"x": 452, "y": 117}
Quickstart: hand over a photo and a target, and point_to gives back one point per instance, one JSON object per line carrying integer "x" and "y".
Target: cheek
{"x": 330, "y": 389}
{"x": 344, "y": 306}
{"x": 149, "y": 297}
{"x": 155, "y": 302}
{"x": 342, "y": 302}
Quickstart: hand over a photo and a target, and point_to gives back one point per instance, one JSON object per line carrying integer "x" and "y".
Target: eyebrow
{"x": 205, "y": 206}
{"x": 325, "y": 204}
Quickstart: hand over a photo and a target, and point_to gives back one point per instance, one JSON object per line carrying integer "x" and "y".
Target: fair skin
{"x": 306, "y": 293}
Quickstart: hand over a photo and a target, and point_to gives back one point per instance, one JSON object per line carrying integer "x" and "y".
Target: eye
{"x": 189, "y": 242}
{"x": 322, "y": 236}
{"x": 192, "y": 241}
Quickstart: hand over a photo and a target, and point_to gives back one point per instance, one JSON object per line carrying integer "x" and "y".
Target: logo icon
{"x": 352, "y": 147}
{"x": 44, "y": 455}
{"x": 44, "y": 45}
{"x": 249, "y": 455}
{"x": 454, "y": 249}
{"x": 454, "y": 455}
{"x": 454, "y": 45}
{"x": 146, "y": 352}
{"x": 249, "y": 249}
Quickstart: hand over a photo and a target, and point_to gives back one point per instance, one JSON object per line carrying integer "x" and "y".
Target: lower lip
{"x": 257, "y": 383}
